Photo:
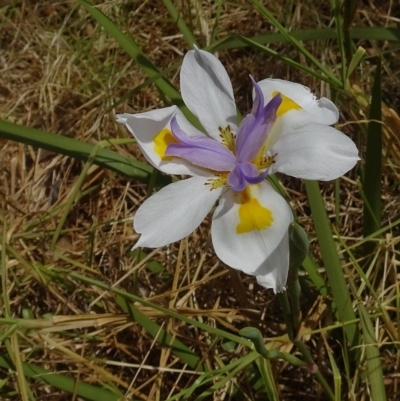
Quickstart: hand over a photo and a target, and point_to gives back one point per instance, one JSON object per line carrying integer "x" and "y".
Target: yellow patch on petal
{"x": 252, "y": 215}
{"x": 161, "y": 142}
{"x": 286, "y": 105}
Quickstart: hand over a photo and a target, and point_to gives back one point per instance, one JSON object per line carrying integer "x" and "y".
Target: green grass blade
{"x": 180, "y": 23}
{"x": 168, "y": 312}
{"x": 349, "y": 12}
{"x": 357, "y": 57}
{"x": 224, "y": 380}
{"x": 184, "y": 353}
{"x": 297, "y": 44}
{"x": 374, "y": 366}
{"x": 216, "y": 21}
{"x": 74, "y": 148}
{"x": 312, "y": 270}
{"x": 264, "y": 366}
{"x": 88, "y": 391}
{"x": 73, "y": 195}
{"x": 133, "y": 50}
{"x": 368, "y": 33}
{"x": 337, "y": 377}
{"x": 341, "y": 295}
{"x": 373, "y": 161}
{"x": 286, "y": 60}
{"x": 340, "y": 38}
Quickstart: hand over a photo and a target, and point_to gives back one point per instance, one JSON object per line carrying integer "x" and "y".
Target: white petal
{"x": 207, "y": 92}
{"x": 250, "y": 250}
{"x": 273, "y": 273}
{"x": 146, "y": 126}
{"x": 174, "y": 212}
{"x": 314, "y": 152}
{"x": 321, "y": 111}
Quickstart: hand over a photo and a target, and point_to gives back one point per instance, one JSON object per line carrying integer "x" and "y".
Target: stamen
{"x": 228, "y": 138}
{"x": 266, "y": 161}
{"x": 217, "y": 182}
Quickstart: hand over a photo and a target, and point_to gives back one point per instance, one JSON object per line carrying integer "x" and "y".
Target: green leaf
{"x": 297, "y": 44}
{"x": 133, "y": 50}
{"x": 357, "y": 57}
{"x": 184, "y": 353}
{"x": 74, "y": 148}
{"x": 368, "y": 33}
{"x": 180, "y": 23}
{"x": 88, "y": 391}
{"x": 374, "y": 365}
{"x": 334, "y": 271}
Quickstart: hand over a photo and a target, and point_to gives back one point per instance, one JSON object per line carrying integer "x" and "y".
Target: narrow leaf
{"x": 341, "y": 295}
{"x": 74, "y": 148}
{"x": 374, "y": 366}
{"x": 88, "y": 391}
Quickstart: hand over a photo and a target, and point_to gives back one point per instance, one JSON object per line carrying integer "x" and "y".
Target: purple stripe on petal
{"x": 200, "y": 150}
{"x": 236, "y": 180}
{"x": 256, "y": 179}
{"x": 254, "y": 129}
{"x": 248, "y": 170}
{"x": 258, "y": 103}
{"x": 244, "y": 174}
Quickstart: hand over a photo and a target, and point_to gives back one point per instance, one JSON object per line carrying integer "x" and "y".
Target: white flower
{"x": 287, "y": 131}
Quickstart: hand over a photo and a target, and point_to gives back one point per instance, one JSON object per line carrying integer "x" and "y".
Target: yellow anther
{"x": 228, "y": 138}
{"x": 217, "y": 182}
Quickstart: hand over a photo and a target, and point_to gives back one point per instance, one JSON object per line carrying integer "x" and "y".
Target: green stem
{"x": 287, "y": 314}
{"x": 318, "y": 375}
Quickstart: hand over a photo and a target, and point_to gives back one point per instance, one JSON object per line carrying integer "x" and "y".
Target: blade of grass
{"x": 350, "y": 8}
{"x": 340, "y": 293}
{"x": 22, "y": 385}
{"x": 72, "y": 196}
{"x": 89, "y": 392}
{"x": 221, "y": 382}
{"x": 167, "y": 312}
{"x": 375, "y": 373}
{"x": 216, "y": 20}
{"x": 337, "y": 377}
{"x": 133, "y": 50}
{"x": 335, "y": 4}
{"x": 364, "y": 33}
{"x": 184, "y": 353}
{"x": 373, "y": 162}
{"x": 210, "y": 376}
{"x": 297, "y": 44}
{"x": 180, "y": 23}
{"x": 357, "y": 57}
{"x": 264, "y": 366}
{"x": 77, "y": 149}
{"x": 287, "y": 60}
{"x": 11, "y": 341}
{"x": 312, "y": 270}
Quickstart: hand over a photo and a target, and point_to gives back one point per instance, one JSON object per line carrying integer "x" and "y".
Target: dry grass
{"x": 60, "y": 72}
